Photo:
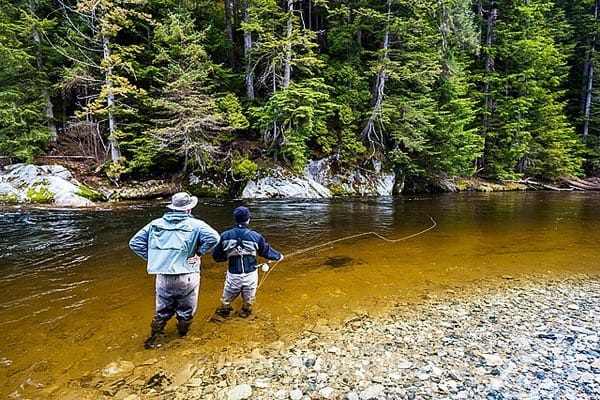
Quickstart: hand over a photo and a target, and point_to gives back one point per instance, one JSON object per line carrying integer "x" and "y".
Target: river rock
{"x": 26, "y": 183}
{"x": 239, "y": 392}
{"x": 117, "y": 368}
{"x": 370, "y": 179}
{"x": 284, "y": 187}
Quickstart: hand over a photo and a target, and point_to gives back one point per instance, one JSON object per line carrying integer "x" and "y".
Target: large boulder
{"x": 43, "y": 184}
{"x": 284, "y": 187}
{"x": 370, "y": 179}
{"x": 322, "y": 180}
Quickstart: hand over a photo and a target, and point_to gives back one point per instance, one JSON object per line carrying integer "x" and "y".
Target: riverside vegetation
{"x": 230, "y": 90}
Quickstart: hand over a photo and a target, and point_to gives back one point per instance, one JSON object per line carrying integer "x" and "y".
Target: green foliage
{"x": 337, "y": 190}
{"x": 40, "y": 195}
{"x": 23, "y": 133}
{"x": 528, "y": 121}
{"x": 230, "y": 107}
{"x": 243, "y": 168}
{"x": 89, "y": 193}
{"x": 155, "y": 70}
{"x": 115, "y": 169}
{"x": 9, "y": 199}
{"x": 298, "y": 114}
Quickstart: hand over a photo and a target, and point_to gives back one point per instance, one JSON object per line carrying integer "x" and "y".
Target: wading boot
{"x": 183, "y": 326}
{"x": 224, "y": 311}
{"x": 245, "y": 311}
{"x": 157, "y": 327}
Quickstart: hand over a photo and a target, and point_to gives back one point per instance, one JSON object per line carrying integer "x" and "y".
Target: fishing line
{"x": 295, "y": 253}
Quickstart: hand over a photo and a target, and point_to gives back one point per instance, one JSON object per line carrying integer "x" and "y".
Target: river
{"x": 74, "y": 298}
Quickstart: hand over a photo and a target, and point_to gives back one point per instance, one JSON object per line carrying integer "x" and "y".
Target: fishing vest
{"x": 240, "y": 247}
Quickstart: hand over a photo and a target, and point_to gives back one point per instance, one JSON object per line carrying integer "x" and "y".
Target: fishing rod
{"x": 265, "y": 266}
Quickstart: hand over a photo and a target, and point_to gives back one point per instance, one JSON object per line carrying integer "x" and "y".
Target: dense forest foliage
{"x": 497, "y": 89}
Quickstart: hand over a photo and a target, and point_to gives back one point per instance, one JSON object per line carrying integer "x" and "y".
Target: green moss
{"x": 89, "y": 193}
{"x": 463, "y": 184}
{"x": 208, "y": 191}
{"x": 11, "y": 199}
{"x": 337, "y": 189}
{"x": 244, "y": 168}
{"x": 40, "y": 194}
{"x": 515, "y": 186}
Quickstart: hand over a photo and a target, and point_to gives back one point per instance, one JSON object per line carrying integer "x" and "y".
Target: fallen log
{"x": 581, "y": 184}
{"x": 540, "y": 185}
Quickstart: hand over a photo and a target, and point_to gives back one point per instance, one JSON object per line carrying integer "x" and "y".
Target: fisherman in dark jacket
{"x": 240, "y": 246}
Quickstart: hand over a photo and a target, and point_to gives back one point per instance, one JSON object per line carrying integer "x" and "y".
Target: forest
{"x": 502, "y": 90}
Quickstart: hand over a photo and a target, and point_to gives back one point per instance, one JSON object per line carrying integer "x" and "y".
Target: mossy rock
{"x": 10, "y": 199}
{"x": 209, "y": 191}
{"x": 337, "y": 189}
{"x": 90, "y": 194}
{"x": 40, "y": 194}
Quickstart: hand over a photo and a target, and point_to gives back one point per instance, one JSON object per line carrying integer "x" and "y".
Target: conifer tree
{"x": 24, "y": 130}
{"x": 528, "y": 130}
{"x": 107, "y": 66}
{"x": 192, "y": 115}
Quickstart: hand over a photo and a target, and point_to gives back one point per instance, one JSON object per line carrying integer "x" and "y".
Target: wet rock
{"x": 240, "y": 392}
{"x": 492, "y": 355}
{"x": 116, "y": 368}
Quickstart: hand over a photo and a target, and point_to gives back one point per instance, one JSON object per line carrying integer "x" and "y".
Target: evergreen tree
{"x": 456, "y": 141}
{"x": 23, "y": 124}
{"x": 192, "y": 116}
{"x": 281, "y": 43}
{"x": 103, "y": 46}
{"x": 583, "y": 84}
{"x": 528, "y": 130}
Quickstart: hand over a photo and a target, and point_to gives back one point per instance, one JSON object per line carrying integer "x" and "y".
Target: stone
{"x": 239, "y": 392}
{"x": 372, "y": 391}
{"x": 296, "y": 394}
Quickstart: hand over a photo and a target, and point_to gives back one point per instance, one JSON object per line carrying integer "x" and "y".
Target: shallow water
{"x": 74, "y": 298}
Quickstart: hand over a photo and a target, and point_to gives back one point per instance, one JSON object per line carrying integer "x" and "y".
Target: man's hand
{"x": 281, "y": 258}
{"x": 193, "y": 260}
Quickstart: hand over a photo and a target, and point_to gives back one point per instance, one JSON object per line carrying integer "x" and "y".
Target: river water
{"x": 74, "y": 298}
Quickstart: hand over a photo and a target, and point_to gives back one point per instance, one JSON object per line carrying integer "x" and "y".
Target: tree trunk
{"x": 588, "y": 68}
{"x": 249, "y": 78}
{"x": 287, "y": 68}
{"x": 115, "y": 152}
{"x": 229, "y": 30}
{"x": 489, "y": 62}
{"x": 369, "y": 133}
{"x": 48, "y": 108}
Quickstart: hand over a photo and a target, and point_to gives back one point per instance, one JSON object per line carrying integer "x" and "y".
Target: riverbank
{"x": 514, "y": 338}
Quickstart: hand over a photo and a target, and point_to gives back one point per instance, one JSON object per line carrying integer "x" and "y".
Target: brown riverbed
{"x": 74, "y": 321}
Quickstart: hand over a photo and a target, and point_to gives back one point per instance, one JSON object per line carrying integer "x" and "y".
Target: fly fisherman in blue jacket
{"x": 240, "y": 246}
{"x": 172, "y": 246}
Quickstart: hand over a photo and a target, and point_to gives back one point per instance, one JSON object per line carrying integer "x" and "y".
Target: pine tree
{"x": 192, "y": 116}
{"x": 23, "y": 124}
{"x": 528, "y": 130}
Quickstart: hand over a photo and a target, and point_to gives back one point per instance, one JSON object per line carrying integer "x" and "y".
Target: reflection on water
{"x": 74, "y": 298}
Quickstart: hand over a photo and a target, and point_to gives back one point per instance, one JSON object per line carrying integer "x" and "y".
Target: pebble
{"x": 239, "y": 392}
{"x": 515, "y": 339}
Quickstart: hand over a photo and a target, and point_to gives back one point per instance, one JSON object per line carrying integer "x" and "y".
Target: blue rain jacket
{"x": 167, "y": 242}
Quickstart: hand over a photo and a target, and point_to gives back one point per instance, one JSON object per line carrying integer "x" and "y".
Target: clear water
{"x": 74, "y": 298}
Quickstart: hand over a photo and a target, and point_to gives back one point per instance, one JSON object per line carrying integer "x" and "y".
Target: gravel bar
{"x": 522, "y": 338}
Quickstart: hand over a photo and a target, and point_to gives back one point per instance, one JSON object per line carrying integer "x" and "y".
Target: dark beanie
{"x": 241, "y": 214}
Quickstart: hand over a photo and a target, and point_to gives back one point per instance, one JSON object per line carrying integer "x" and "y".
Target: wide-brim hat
{"x": 182, "y": 201}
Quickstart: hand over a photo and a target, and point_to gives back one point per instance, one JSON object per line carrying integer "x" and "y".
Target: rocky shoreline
{"x": 520, "y": 338}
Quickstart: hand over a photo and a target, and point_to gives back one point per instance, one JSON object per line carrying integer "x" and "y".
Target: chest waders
{"x": 234, "y": 286}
